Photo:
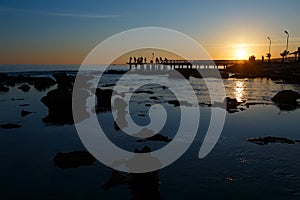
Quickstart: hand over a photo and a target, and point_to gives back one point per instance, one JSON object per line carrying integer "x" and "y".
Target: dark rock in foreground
{"x": 73, "y": 159}
{"x": 270, "y": 139}
{"x": 286, "y": 100}
{"x": 4, "y": 88}
{"x": 231, "y": 103}
{"x": 43, "y": 83}
{"x": 24, "y": 113}
{"x": 156, "y": 137}
{"x": 144, "y": 92}
{"x": 24, "y": 105}
{"x": 103, "y": 100}
{"x": 24, "y": 87}
{"x": 17, "y": 99}
{"x": 59, "y": 103}
{"x": 177, "y": 103}
{"x": 10, "y": 126}
{"x": 63, "y": 80}
{"x": 286, "y": 97}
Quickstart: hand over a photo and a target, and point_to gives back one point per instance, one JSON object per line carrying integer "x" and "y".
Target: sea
{"x": 234, "y": 169}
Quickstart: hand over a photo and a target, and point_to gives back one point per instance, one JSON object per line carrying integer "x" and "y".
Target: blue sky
{"x": 44, "y": 31}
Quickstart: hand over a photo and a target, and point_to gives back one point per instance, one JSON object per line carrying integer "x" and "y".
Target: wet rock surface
{"x": 286, "y": 100}
{"x": 103, "y": 99}
{"x": 4, "y": 88}
{"x": 59, "y": 101}
{"x": 156, "y": 137}
{"x": 73, "y": 159}
{"x": 24, "y": 113}
{"x": 286, "y": 97}
{"x": 10, "y": 126}
{"x": 24, "y": 87}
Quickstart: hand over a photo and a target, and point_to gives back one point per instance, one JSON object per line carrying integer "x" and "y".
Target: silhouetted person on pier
{"x": 156, "y": 60}
{"x": 145, "y": 60}
{"x": 141, "y": 60}
{"x": 166, "y": 60}
{"x": 130, "y": 60}
{"x": 161, "y": 60}
{"x": 262, "y": 58}
{"x": 134, "y": 59}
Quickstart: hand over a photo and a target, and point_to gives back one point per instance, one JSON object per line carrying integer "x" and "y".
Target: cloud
{"x": 62, "y": 14}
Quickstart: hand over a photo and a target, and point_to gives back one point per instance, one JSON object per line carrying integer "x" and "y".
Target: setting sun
{"x": 241, "y": 54}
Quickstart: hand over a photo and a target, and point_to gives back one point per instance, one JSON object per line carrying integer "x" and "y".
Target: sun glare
{"x": 241, "y": 54}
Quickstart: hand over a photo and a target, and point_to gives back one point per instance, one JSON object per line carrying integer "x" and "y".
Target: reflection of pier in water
{"x": 183, "y": 64}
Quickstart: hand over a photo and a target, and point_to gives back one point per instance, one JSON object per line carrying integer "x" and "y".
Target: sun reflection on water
{"x": 239, "y": 90}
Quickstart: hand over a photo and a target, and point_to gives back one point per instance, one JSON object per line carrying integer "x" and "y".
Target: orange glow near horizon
{"x": 233, "y": 51}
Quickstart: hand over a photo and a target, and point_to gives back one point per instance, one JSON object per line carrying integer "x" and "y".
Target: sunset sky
{"x": 63, "y": 32}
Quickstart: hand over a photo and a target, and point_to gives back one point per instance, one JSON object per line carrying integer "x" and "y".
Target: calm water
{"x": 235, "y": 169}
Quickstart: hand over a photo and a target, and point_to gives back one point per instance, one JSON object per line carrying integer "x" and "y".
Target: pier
{"x": 183, "y": 64}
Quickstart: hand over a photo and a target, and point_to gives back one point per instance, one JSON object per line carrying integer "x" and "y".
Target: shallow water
{"x": 235, "y": 169}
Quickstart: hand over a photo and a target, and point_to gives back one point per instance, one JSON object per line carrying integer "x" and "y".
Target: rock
{"x": 73, "y": 159}
{"x": 40, "y": 83}
{"x": 143, "y": 92}
{"x": 24, "y": 105}
{"x": 17, "y": 99}
{"x": 63, "y": 80}
{"x": 156, "y": 137}
{"x": 164, "y": 87}
{"x": 24, "y": 88}
{"x": 231, "y": 103}
{"x": 154, "y": 98}
{"x": 142, "y": 114}
{"x": 59, "y": 103}
{"x": 176, "y": 103}
{"x": 43, "y": 83}
{"x": 103, "y": 100}
{"x": 297, "y": 141}
{"x": 10, "y": 126}
{"x": 4, "y": 88}
{"x": 147, "y": 104}
{"x": 270, "y": 139}
{"x": 24, "y": 113}
{"x": 109, "y": 85}
{"x": 286, "y": 97}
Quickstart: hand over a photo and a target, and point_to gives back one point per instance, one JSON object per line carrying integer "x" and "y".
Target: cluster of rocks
{"x": 270, "y": 139}
{"x": 39, "y": 83}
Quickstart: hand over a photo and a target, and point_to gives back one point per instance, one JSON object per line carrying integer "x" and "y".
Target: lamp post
{"x": 269, "y": 54}
{"x": 285, "y": 52}
{"x": 287, "y": 41}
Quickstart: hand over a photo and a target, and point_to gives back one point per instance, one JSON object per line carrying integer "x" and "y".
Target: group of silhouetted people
{"x": 143, "y": 60}
{"x": 138, "y": 60}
